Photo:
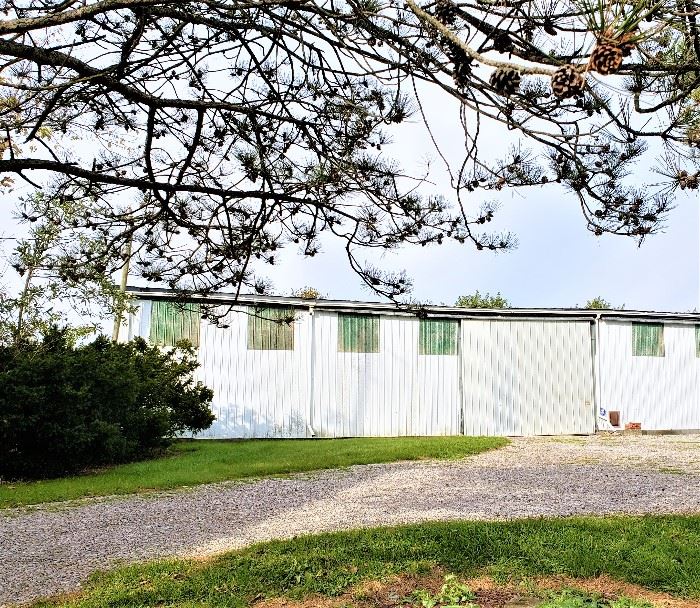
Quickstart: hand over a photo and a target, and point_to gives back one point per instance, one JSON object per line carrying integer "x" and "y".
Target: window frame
{"x": 362, "y": 338}
{"x": 637, "y": 340}
{"x": 427, "y": 344}
{"x": 267, "y": 330}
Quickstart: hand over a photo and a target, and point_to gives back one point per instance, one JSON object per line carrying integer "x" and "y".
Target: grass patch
{"x": 576, "y": 599}
{"x": 659, "y": 553}
{"x": 191, "y": 463}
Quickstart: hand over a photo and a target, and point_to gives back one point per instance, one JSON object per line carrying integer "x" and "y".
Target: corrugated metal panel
{"x": 527, "y": 377}
{"x": 257, "y": 393}
{"x": 358, "y": 333}
{"x": 438, "y": 337}
{"x": 271, "y": 328}
{"x": 392, "y": 392}
{"x": 510, "y": 378}
{"x": 171, "y": 322}
{"x": 660, "y": 392}
{"x": 648, "y": 339}
{"x": 131, "y": 327}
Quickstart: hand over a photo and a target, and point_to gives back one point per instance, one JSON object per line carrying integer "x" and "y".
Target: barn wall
{"x": 507, "y": 377}
{"x": 393, "y": 392}
{"x": 527, "y": 377}
{"x": 662, "y": 393}
{"x": 258, "y": 393}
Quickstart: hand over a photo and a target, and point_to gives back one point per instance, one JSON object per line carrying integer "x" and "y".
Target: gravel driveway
{"x": 53, "y": 548}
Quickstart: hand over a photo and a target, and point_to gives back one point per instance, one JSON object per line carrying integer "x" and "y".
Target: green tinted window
{"x": 358, "y": 333}
{"x": 270, "y": 328}
{"x": 438, "y": 337}
{"x": 172, "y": 322}
{"x": 648, "y": 339}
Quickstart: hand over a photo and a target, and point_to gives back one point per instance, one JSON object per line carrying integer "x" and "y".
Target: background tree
{"x": 213, "y": 134}
{"x": 599, "y": 303}
{"x": 307, "y": 293}
{"x": 52, "y": 287}
{"x": 476, "y": 300}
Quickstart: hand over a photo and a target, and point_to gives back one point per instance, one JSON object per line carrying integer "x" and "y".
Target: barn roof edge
{"x": 412, "y": 309}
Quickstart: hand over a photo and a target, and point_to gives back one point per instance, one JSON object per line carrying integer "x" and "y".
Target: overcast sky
{"x": 558, "y": 263}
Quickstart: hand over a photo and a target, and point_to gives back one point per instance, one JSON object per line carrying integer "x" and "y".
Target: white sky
{"x": 558, "y": 263}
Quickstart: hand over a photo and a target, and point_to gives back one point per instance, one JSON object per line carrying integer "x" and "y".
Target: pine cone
{"x": 694, "y": 136}
{"x": 567, "y": 81}
{"x": 688, "y": 181}
{"x": 502, "y": 43}
{"x": 505, "y": 81}
{"x": 627, "y": 48}
{"x": 446, "y": 12}
{"x": 462, "y": 65}
{"x": 605, "y": 59}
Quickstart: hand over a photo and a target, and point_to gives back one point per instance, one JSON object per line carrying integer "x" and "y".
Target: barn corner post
{"x": 595, "y": 371}
{"x": 312, "y": 372}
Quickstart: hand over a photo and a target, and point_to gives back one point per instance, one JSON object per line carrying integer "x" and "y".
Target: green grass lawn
{"x": 190, "y": 463}
{"x": 660, "y": 553}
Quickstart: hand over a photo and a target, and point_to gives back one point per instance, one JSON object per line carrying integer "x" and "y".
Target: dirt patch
{"x": 387, "y": 593}
{"x": 395, "y": 591}
{"x": 611, "y": 588}
{"x": 315, "y": 601}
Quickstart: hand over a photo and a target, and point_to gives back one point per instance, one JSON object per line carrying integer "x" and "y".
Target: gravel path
{"x": 53, "y": 548}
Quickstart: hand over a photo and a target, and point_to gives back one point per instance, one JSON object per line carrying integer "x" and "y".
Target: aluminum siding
{"x": 527, "y": 377}
{"x": 257, "y": 393}
{"x": 390, "y": 393}
{"x": 662, "y": 393}
{"x": 511, "y": 377}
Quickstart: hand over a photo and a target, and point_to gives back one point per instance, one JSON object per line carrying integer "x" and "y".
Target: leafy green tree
{"x": 52, "y": 287}
{"x": 307, "y": 293}
{"x": 599, "y": 303}
{"x": 477, "y": 300}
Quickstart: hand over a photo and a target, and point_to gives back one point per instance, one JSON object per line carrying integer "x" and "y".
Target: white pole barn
{"x": 289, "y": 367}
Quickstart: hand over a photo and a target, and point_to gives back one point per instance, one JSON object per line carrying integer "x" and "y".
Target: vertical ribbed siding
{"x": 527, "y": 377}
{"x": 172, "y": 322}
{"x": 135, "y": 322}
{"x": 662, "y": 393}
{"x": 510, "y": 378}
{"x": 395, "y": 391}
{"x": 257, "y": 393}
